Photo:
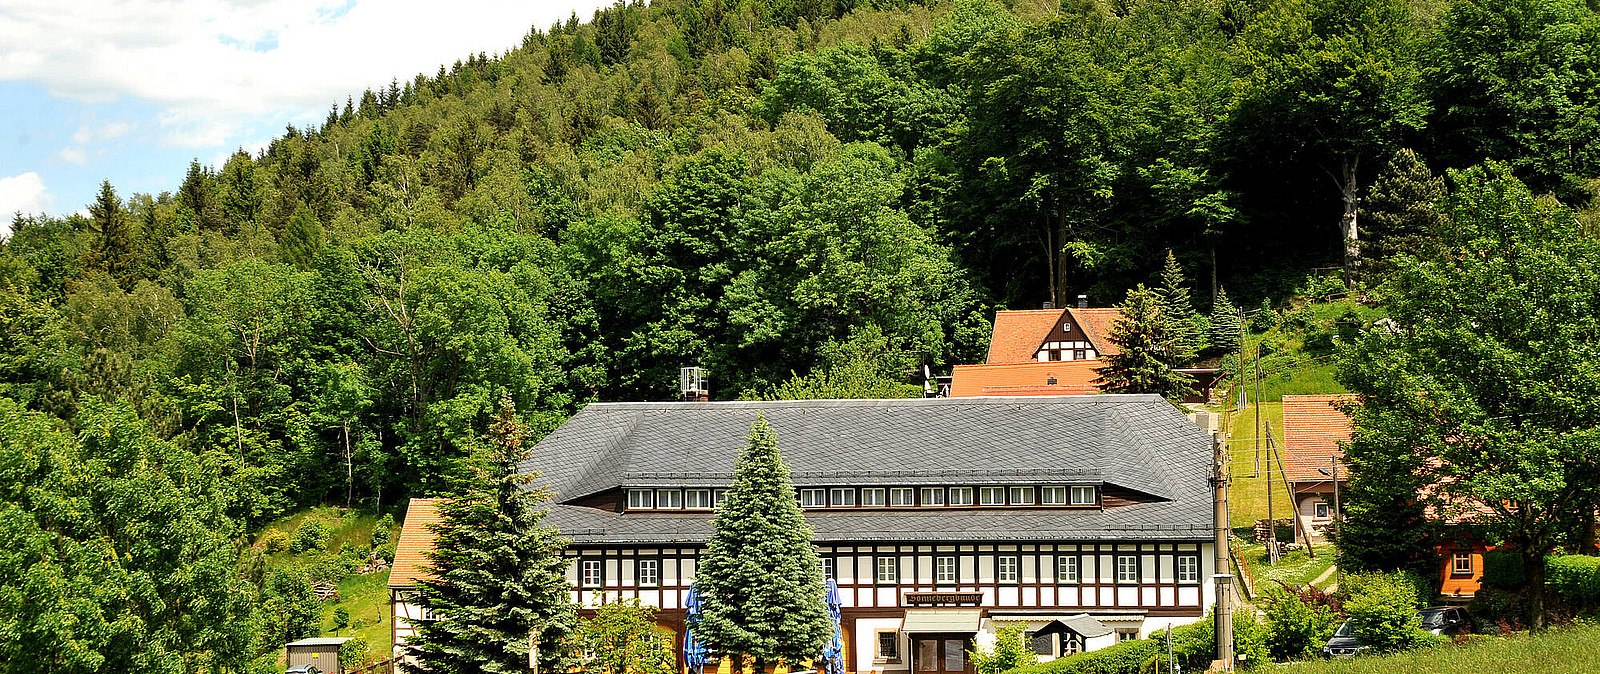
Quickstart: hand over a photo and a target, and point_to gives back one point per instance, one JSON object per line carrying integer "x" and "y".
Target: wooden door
{"x": 941, "y": 654}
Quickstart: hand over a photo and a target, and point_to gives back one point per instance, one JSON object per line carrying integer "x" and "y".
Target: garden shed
{"x": 320, "y": 651}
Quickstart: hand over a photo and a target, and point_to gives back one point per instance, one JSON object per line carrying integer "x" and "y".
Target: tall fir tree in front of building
{"x": 1177, "y": 312}
{"x": 760, "y": 576}
{"x": 497, "y": 575}
{"x": 1143, "y": 361}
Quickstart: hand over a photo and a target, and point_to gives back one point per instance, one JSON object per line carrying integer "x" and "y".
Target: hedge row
{"x": 1193, "y": 646}
{"x": 1576, "y": 577}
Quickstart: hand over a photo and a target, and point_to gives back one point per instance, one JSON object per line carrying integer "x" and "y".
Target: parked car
{"x": 1441, "y": 620}
{"x": 1446, "y": 620}
{"x": 303, "y": 669}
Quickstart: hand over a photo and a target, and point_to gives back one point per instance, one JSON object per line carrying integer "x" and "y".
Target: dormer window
{"x": 992, "y": 496}
{"x": 902, "y": 496}
{"x": 1022, "y": 496}
{"x": 717, "y": 497}
{"x": 697, "y": 499}
{"x": 640, "y": 499}
{"x": 933, "y": 496}
{"x": 1053, "y": 495}
{"x": 813, "y": 498}
{"x": 1083, "y": 496}
{"x": 842, "y": 498}
{"x": 670, "y": 499}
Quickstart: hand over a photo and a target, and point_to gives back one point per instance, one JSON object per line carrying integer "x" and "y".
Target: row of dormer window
{"x": 879, "y": 497}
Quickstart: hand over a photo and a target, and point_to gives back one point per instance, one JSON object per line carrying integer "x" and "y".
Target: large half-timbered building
{"x": 1086, "y": 519}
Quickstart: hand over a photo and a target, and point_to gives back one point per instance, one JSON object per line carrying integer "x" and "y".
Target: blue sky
{"x": 130, "y": 90}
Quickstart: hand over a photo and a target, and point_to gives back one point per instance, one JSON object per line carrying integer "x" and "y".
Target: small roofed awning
{"x": 1083, "y": 625}
{"x": 942, "y": 621}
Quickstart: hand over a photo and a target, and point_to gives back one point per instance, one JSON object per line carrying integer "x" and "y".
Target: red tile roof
{"x": 1073, "y": 377}
{"x": 1097, "y": 325}
{"x": 416, "y": 541}
{"x": 1018, "y": 334}
{"x": 1312, "y": 430}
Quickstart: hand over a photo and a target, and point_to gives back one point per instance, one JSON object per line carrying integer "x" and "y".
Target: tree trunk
{"x": 1061, "y": 259}
{"x": 349, "y": 468}
{"x": 1533, "y": 570}
{"x": 1347, "y": 222}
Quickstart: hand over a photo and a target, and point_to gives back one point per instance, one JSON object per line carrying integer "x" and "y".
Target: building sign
{"x": 943, "y": 598}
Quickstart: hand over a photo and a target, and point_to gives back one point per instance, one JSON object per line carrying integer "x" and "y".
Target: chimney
{"x": 692, "y": 384}
{"x": 1083, "y": 301}
{"x": 1048, "y": 305}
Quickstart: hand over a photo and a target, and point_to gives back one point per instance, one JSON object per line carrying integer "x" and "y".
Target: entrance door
{"x": 941, "y": 654}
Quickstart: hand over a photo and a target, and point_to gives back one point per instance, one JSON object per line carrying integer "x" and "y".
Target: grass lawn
{"x": 366, "y": 597}
{"x": 1559, "y": 651}
{"x": 1294, "y": 567}
{"x": 1247, "y": 493}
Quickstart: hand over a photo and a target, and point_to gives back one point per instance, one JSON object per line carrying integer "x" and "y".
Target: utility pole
{"x": 1223, "y": 577}
{"x": 1338, "y": 515}
{"x": 1258, "y": 413}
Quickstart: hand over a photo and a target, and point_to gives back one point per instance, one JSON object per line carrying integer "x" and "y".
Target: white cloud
{"x": 25, "y": 193}
{"x": 214, "y": 65}
{"x": 73, "y": 155}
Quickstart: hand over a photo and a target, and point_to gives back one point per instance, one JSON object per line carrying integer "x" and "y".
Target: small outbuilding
{"x": 320, "y": 651}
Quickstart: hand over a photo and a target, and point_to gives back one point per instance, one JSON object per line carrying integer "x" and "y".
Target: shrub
{"x": 341, "y": 618}
{"x": 1296, "y": 629}
{"x": 380, "y": 531}
{"x": 312, "y": 534}
{"x": 386, "y": 553}
{"x": 1008, "y": 652}
{"x": 354, "y": 653}
{"x": 1383, "y": 611}
{"x": 1194, "y": 646}
{"x": 275, "y": 541}
{"x": 1502, "y": 568}
{"x": 1576, "y": 577}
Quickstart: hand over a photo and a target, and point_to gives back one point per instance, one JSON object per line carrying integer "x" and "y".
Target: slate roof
{"x": 1312, "y": 430}
{"x": 1135, "y": 442}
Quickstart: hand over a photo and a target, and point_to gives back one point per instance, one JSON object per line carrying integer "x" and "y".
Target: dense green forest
{"x": 761, "y": 188}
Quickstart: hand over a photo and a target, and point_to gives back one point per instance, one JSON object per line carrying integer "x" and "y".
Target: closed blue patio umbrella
{"x": 833, "y": 655}
{"x": 694, "y": 653}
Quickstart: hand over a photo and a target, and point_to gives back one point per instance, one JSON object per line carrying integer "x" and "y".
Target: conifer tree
{"x": 1226, "y": 328}
{"x": 112, "y": 251}
{"x": 1177, "y": 312}
{"x": 302, "y": 238}
{"x": 760, "y": 575}
{"x": 1143, "y": 363}
{"x": 497, "y": 572}
{"x": 1401, "y": 215}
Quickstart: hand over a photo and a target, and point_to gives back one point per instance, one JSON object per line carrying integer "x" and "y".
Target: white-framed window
{"x": 648, "y": 573}
{"x": 1188, "y": 569}
{"x": 591, "y": 573}
{"x": 888, "y": 570}
{"x": 944, "y": 569}
{"x": 670, "y": 499}
{"x": 902, "y": 496}
{"x": 961, "y": 496}
{"x": 888, "y": 646}
{"x": 827, "y": 565}
{"x": 639, "y": 499}
{"x": 1127, "y": 634}
{"x": 428, "y": 614}
{"x": 1461, "y": 563}
{"x": 1071, "y": 644}
{"x": 1322, "y": 511}
{"x": 1083, "y": 495}
{"x": 842, "y": 498}
{"x": 874, "y": 496}
{"x": 1067, "y": 569}
{"x": 1053, "y": 495}
{"x": 718, "y": 496}
{"x": 933, "y": 496}
{"x": 1127, "y": 568}
{"x": 1008, "y": 569}
{"x": 697, "y": 499}
{"x": 813, "y": 498}
{"x": 992, "y": 496}
{"x": 1021, "y": 496}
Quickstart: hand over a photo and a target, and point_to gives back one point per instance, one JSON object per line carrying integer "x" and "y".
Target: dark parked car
{"x": 304, "y": 669}
{"x": 1446, "y": 620}
{"x": 1442, "y": 620}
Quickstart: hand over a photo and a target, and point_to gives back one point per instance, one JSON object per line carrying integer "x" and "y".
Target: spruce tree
{"x": 497, "y": 571}
{"x": 1227, "y": 330}
{"x": 302, "y": 238}
{"x": 112, "y": 251}
{"x": 1143, "y": 363}
{"x": 1400, "y": 214}
{"x": 1177, "y": 312}
{"x": 760, "y": 575}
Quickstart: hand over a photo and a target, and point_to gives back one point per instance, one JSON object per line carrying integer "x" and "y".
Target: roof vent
{"x": 1048, "y": 305}
{"x": 692, "y": 384}
{"x": 1083, "y": 301}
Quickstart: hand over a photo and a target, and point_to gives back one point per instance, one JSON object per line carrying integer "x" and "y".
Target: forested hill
{"x": 761, "y": 188}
